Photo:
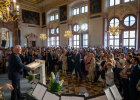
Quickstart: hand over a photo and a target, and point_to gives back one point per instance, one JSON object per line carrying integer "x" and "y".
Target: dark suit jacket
{"x": 16, "y": 67}
{"x": 135, "y": 75}
{"x": 77, "y": 60}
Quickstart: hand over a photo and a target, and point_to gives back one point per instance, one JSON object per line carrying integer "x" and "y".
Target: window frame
{"x": 87, "y": 27}
{"x": 108, "y": 35}
{"x": 114, "y": 3}
{"x": 53, "y": 41}
{"x": 55, "y": 16}
{"x": 84, "y": 8}
{"x": 58, "y": 30}
{"x": 128, "y": 1}
{"x": 76, "y": 41}
{"x": 85, "y": 46}
{"x": 76, "y": 11}
{"x": 129, "y": 20}
{"x": 51, "y": 31}
{"x": 76, "y": 25}
{"x": 129, "y": 37}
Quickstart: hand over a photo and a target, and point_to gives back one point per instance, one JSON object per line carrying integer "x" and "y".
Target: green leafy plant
{"x": 55, "y": 85}
{"x": 30, "y": 77}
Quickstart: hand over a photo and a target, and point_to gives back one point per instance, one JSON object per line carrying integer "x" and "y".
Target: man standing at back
{"x": 77, "y": 62}
{"x": 15, "y": 72}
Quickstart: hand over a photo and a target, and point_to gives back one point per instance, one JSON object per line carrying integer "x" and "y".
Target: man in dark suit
{"x": 77, "y": 63}
{"x": 134, "y": 77}
{"x": 15, "y": 72}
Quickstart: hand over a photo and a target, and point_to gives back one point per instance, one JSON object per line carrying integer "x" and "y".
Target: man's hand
{"x": 9, "y": 86}
{"x": 33, "y": 68}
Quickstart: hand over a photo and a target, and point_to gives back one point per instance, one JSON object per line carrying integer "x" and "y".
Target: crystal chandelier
{"x": 43, "y": 36}
{"x": 113, "y": 30}
{"x": 9, "y": 11}
{"x": 68, "y": 34}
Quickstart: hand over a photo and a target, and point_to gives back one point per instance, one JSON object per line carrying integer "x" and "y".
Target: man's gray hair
{"x": 17, "y": 46}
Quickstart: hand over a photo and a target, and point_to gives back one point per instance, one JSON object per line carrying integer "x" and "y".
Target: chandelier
{"x": 68, "y": 34}
{"x": 9, "y": 11}
{"x": 43, "y": 36}
{"x": 113, "y": 30}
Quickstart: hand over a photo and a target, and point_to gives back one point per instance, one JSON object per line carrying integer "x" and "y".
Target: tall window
{"x": 129, "y": 21}
{"x": 76, "y": 28}
{"x": 57, "y": 41}
{"x": 56, "y": 16}
{"x": 76, "y": 40}
{"x": 129, "y": 39}
{"x": 114, "y": 2}
{"x": 114, "y": 40}
{"x": 75, "y": 11}
{"x": 57, "y": 30}
{"x": 53, "y": 41}
{"x": 85, "y": 40}
{"x": 52, "y": 31}
{"x": 84, "y": 9}
{"x": 128, "y": 0}
{"x": 70, "y": 41}
{"x": 51, "y": 17}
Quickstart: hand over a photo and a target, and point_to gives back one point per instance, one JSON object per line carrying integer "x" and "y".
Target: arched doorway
{"x": 6, "y": 38}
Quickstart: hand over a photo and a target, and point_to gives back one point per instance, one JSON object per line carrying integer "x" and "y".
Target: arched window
{"x": 57, "y": 30}
{"x": 129, "y": 35}
{"x": 84, "y": 27}
{"x": 129, "y": 21}
{"x": 76, "y": 28}
{"x": 114, "y": 40}
{"x": 114, "y": 21}
{"x": 52, "y": 31}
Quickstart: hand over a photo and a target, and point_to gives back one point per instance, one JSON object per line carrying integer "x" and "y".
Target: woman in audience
{"x": 87, "y": 62}
{"x": 103, "y": 70}
{"x": 55, "y": 62}
{"x": 91, "y": 69}
{"x": 109, "y": 75}
{"x": 64, "y": 61}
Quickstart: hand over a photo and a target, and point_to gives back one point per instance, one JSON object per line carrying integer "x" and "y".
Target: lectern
{"x": 39, "y": 72}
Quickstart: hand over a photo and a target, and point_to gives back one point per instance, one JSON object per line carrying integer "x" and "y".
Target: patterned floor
{"x": 74, "y": 85}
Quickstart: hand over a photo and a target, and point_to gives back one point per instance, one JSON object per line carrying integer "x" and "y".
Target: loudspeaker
{"x": 3, "y": 43}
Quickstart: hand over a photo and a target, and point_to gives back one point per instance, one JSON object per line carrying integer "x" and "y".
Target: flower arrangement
{"x": 55, "y": 85}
